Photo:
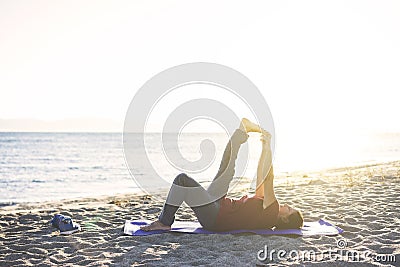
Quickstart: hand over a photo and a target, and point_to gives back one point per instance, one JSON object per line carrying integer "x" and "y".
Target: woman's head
{"x": 289, "y": 218}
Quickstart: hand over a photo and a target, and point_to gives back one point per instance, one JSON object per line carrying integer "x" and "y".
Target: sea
{"x": 36, "y": 167}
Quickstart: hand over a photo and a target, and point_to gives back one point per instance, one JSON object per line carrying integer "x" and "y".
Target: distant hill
{"x": 64, "y": 125}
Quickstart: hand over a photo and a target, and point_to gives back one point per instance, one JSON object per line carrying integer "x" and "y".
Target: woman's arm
{"x": 265, "y": 173}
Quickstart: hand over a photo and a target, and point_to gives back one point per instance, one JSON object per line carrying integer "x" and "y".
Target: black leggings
{"x": 180, "y": 190}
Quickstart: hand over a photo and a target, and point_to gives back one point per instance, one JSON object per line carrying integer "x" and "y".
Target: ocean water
{"x": 51, "y": 166}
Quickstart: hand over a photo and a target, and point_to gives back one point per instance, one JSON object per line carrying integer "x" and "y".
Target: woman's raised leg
{"x": 220, "y": 185}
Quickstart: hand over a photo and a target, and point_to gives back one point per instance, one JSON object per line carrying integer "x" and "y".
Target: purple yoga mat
{"x": 320, "y": 227}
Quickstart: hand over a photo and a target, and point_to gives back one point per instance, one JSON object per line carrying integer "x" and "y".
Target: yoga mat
{"x": 320, "y": 227}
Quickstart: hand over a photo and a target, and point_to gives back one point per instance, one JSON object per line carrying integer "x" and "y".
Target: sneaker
{"x": 65, "y": 224}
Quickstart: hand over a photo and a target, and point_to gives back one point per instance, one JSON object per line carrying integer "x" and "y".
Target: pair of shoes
{"x": 65, "y": 224}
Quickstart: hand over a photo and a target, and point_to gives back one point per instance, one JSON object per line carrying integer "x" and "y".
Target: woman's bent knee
{"x": 180, "y": 179}
{"x": 184, "y": 180}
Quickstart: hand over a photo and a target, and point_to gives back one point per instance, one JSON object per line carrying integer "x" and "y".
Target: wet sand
{"x": 364, "y": 201}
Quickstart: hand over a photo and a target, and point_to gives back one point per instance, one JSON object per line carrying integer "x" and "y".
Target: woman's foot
{"x": 248, "y": 126}
{"x": 156, "y": 225}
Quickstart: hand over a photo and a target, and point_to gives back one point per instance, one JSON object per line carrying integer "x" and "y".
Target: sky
{"x": 322, "y": 66}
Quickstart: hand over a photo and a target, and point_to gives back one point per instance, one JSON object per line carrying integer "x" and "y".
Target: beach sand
{"x": 364, "y": 201}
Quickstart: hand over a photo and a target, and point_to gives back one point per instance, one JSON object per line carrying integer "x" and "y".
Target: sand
{"x": 364, "y": 201}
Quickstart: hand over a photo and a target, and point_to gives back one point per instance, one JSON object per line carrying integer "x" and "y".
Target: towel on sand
{"x": 320, "y": 227}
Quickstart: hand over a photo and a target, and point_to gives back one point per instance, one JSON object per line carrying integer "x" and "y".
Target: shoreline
{"x": 302, "y": 176}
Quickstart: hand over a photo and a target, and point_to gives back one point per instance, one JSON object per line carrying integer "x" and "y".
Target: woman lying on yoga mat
{"x": 258, "y": 212}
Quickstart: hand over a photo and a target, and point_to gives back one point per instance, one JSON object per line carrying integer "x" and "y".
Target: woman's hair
{"x": 295, "y": 221}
